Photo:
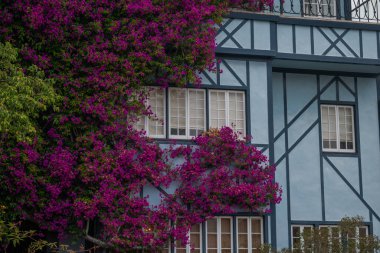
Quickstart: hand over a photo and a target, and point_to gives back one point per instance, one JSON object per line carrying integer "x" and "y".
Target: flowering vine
{"x": 87, "y": 162}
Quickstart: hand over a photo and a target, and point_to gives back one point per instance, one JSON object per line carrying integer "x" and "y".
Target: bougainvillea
{"x": 222, "y": 173}
{"x": 87, "y": 162}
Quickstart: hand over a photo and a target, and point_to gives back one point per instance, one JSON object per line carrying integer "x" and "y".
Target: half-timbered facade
{"x": 303, "y": 80}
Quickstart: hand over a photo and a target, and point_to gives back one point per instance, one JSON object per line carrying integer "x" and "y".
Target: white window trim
{"x": 227, "y": 108}
{"x": 219, "y": 234}
{"x": 187, "y": 111}
{"x": 250, "y": 243}
{"x": 338, "y": 149}
{"x": 302, "y": 227}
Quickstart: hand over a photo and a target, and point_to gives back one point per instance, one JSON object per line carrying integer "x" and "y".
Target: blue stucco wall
{"x": 319, "y": 186}
{"x": 283, "y": 114}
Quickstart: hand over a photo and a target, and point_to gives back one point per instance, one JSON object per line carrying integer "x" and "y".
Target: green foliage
{"x": 10, "y": 234}
{"x": 23, "y": 95}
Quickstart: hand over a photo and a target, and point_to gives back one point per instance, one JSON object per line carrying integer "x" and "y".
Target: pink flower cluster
{"x": 87, "y": 162}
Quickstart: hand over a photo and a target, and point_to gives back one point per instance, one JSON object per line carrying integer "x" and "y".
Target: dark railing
{"x": 355, "y": 10}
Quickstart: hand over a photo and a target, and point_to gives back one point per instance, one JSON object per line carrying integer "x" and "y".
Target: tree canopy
{"x": 23, "y": 96}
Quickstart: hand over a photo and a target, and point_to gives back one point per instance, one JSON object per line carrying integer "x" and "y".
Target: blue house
{"x": 303, "y": 79}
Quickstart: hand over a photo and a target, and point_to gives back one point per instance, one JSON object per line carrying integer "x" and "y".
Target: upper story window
{"x": 187, "y": 112}
{"x": 319, "y": 8}
{"x": 355, "y": 10}
{"x": 365, "y": 10}
{"x": 338, "y": 128}
{"x": 155, "y": 124}
{"x": 227, "y": 108}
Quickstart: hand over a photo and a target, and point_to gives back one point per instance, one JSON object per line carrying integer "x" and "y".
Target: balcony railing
{"x": 355, "y": 10}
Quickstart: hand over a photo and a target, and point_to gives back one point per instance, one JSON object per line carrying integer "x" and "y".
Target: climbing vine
{"x": 86, "y": 162}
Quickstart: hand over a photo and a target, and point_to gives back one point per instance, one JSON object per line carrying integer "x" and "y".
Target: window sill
{"x": 340, "y": 154}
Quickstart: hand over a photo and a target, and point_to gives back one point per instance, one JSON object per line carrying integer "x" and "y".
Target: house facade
{"x": 303, "y": 79}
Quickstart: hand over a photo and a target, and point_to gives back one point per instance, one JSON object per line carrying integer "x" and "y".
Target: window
{"x": 365, "y": 10}
{"x": 186, "y": 112}
{"x": 219, "y": 235}
{"x": 154, "y": 125}
{"x": 351, "y": 240}
{"x": 249, "y": 234}
{"x": 227, "y": 108}
{"x": 297, "y": 237}
{"x": 319, "y": 8}
{"x": 338, "y": 128}
{"x": 195, "y": 239}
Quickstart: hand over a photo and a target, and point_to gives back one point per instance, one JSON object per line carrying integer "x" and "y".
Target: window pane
{"x": 211, "y": 241}
{"x": 362, "y": 231}
{"x": 197, "y": 109}
{"x": 256, "y": 241}
{"x": 328, "y": 126}
{"x": 195, "y": 236}
{"x": 211, "y": 225}
{"x": 177, "y": 110}
{"x": 195, "y": 240}
{"x": 226, "y": 241}
{"x": 154, "y": 123}
{"x": 296, "y": 231}
{"x": 256, "y": 226}
{"x": 195, "y": 228}
{"x": 237, "y": 111}
{"x": 226, "y": 225}
{"x": 243, "y": 241}
{"x": 217, "y": 109}
{"x": 140, "y": 124}
{"x": 242, "y": 225}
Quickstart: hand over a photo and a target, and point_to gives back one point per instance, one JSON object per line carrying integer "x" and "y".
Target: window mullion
{"x": 227, "y": 106}
{"x": 249, "y": 235}
{"x": 188, "y": 244}
{"x": 353, "y": 128}
{"x": 219, "y": 234}
{"x": 187, "y": 121}
{"x": 337, "y": 123}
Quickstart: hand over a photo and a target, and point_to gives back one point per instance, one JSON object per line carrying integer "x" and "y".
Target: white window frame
{"x": 227, "y": 108}
{"x": 187, "y": 112}
{"x": 338, "y": 149}
{"x": 318, "y": 4}
{"x": 188, "y": 245}
{"x": 250, "y": 233}
{"x": 219, "y": 234}
{"x": 302, "y": 227}
{"x": 151, "y": 118}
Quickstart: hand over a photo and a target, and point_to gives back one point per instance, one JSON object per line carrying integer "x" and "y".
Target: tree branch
{"x": 98, "y": 242}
